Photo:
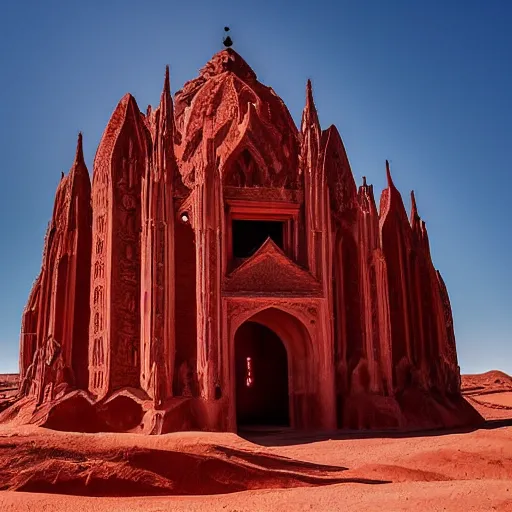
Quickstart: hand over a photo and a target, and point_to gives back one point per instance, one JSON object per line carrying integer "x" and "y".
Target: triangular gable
{"x": 270, "y": 272}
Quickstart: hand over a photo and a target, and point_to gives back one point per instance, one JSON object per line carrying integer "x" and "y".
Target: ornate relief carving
{"x": 240, "y": 310}
{"x": 270, "y": 272}
{"x": 245, "y": 116}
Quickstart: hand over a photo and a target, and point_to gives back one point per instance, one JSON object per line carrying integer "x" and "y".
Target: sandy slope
{"x": 47, "y": 470}
{"x": 468, "y": 496}
{"x": 8, "y": 389}
{"x": 470, "y": 471}
{"x": 493, "y": 380}
{"x": 8, "y": 384}
{"x": 489, "y": 393}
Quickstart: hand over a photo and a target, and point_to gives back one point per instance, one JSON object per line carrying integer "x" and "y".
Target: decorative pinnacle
{"x": 414, "y": 211}
{"x": 79, "y": 155}
{"x": 310, "y": 103}
{"x": 364, "y": 181}
{"x": 414, "y": 208}
{"x": 167, "y": 81}
{"x": 310, "y": 114}
{"x": 388, "y": 175}
{"x": 227, "y": 41}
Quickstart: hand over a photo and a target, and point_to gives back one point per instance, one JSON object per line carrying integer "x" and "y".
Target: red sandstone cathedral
{"x": 223, "y": 270}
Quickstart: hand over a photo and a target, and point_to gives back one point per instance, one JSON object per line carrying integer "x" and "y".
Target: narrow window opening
{"x": 249, "y": 235}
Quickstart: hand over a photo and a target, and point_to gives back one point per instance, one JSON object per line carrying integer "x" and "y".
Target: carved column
{"x": 28, "y": 335}
{"x": 380, "y": 303}
{"x": 395, "y": 234}
{"x": 314, "y": 188}
{"x": 208, "y": 210}
{"x": 157, "y": 257}
{"x": 114, "y": 333}
{"x": 368, "y": 242}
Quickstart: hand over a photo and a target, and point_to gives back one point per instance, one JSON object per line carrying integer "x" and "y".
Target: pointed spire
{"x": 311, "y": 133}
{"x": 392, "y": 199}
{"x": 78, "y": 183}
{"x": 166, "y": 107}
{"x": 79, "y": 155}
{"x": 388, "y": 176}
{"x": 364, "y": 181}
{"x": 165, "y": 97}
{"x": 310, "y": 115}
{"x": 414, "y": 218}
{"x": 309, "y": 93}
{"x": 167, "y": 81}
{"x": 424, "y": 237}
{"x": 413, "y": 203}
{"x": 79, "y": 168}
{"x": 414, "y": 208}
{"x": 164, "y": 128}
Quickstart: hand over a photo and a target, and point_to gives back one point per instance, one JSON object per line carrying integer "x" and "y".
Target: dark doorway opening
{"x": 249, "y": 235}
{"x": 261, "y": 365}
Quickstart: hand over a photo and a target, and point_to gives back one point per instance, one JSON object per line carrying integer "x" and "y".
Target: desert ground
{"x": 489, "y": 393}
{"x": 8, "y": 389}
{"x": 41, "y": 469}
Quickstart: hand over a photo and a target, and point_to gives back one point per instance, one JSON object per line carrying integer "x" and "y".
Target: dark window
{"x": 249, "y": 236}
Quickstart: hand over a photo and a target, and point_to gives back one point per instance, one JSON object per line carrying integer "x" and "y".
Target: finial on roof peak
{"x": 227, "y": 41}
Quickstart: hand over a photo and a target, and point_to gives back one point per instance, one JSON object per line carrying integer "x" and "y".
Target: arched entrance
{"x": 261, "y": 369}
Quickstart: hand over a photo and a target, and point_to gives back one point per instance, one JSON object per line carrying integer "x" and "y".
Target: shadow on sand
{"x": 143, "y": 472}
{"x": 278, "y": 436}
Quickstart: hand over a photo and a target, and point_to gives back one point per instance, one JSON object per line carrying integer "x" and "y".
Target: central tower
{"x": 250, "y": 207}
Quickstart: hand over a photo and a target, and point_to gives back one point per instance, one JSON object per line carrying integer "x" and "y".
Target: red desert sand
{"x": 8, "y": 389}
{"x": 41, "y": 469}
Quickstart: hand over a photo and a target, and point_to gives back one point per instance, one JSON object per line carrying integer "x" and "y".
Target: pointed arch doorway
{"x": 261, "y": 369}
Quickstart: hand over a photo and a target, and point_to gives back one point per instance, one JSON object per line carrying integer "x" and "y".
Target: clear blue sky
{"x": 425, "y": 84}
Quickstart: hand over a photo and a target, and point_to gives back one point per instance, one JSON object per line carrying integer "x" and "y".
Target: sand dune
{"x": 227, "y": 472}
{"x": 82, "y": 469}
{"x": 493, "y": 380}
{"x": 489, "y": 393}
{"x": 42, "y": 469}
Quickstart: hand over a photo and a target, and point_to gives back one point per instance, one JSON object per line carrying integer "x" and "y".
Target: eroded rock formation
{"x": 224, "y": 255}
